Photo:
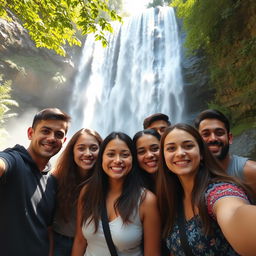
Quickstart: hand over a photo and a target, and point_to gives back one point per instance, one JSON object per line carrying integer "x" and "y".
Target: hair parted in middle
{"x": 169, "y": 188}
{"x": 96, "y": 190}
{"x": 147, "y": 179}
{"x": 67, "y": 174}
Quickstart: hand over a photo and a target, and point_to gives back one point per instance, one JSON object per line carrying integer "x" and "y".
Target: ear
{"x": 30, "y": 133}
{"x": 230, "y": 138}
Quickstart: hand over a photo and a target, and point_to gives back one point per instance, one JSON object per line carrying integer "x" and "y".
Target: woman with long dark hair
{"x": 73, "y": 168}
{"x": 147, "y": 143}
{"x": 205, "y": 212}
{"x": 132, "y": 211}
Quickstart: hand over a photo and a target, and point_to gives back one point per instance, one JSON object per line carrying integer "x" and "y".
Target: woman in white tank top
{"x": 132, "y": 211}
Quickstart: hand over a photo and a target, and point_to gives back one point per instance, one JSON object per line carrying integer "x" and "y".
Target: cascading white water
{"x": 138, "y": 74}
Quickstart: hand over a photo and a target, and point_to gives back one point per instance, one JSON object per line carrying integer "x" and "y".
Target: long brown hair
{"x": 96, "y": 190}
{"x": 67, "y": 174}
{"x": 169, "y": 188}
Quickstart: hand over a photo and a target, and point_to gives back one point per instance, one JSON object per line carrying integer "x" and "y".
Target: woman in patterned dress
{"x": 204, "y": 211}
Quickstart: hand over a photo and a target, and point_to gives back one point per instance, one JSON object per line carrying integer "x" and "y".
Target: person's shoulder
{"x": 249, "y": 171}
{"x": 10, "y": 155}
{"x": 239, "y": 158}
{"x": 148, "y": 197}
{"x": 250, "y": 164}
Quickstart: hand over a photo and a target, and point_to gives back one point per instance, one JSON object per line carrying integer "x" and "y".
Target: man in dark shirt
{"x": 27, "y": 190}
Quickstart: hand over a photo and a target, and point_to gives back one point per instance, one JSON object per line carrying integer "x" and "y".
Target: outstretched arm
{"x": 151, "y": 225}
{"x": 80, "y": 243}
{"x": 237, "y": 220}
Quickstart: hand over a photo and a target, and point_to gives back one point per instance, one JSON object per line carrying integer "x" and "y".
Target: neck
{"x": 187, "y": 185}
{"x": 40, "y": 162}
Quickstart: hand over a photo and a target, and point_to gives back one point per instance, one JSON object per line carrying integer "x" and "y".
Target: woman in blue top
{"x": 205, "y": 212}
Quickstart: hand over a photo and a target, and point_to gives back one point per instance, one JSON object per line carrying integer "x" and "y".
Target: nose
{"x": 180, "y": 151}
{"x": 212, "y": 137}
{"x": 88, "y": 152}
{"x": 118, "y": 159}
{"x": 51, "y": 136}
{"x": 149, "y": 154}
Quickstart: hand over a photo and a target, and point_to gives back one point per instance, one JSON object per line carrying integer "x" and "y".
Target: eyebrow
{"x": 185, "y": 141}
{"x": 46, "y": 127}
{"x": 215, "y": 129}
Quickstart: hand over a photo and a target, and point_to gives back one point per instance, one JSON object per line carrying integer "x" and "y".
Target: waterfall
{"x": 136, "y": 75}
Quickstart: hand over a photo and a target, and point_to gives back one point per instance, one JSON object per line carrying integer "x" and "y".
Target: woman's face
{"x": 85, "y": 151}
{"x": 181, "y": 153}
{"x": 148, "y": 148}
{"x": 117, "y": 159}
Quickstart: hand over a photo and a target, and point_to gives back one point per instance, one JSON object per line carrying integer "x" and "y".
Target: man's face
{"x": 215, "y": 135}
{"x": 159, "y": 126}
{"x": 46, "y": 138}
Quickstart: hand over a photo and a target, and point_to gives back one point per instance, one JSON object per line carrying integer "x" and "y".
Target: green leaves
{"x": 5, "y": 102}
{"x": 54, "y": 23}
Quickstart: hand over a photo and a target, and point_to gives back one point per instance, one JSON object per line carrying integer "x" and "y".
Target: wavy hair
{"x": 67, "y": 174}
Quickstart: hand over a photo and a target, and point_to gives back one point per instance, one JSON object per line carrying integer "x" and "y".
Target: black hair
{"x": 212, "y": 114}
{"x": 155, "y": 117}
{"x": 50, "y": 114}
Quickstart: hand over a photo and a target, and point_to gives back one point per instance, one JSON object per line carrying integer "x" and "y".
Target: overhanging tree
{"x": 54, "y": 23}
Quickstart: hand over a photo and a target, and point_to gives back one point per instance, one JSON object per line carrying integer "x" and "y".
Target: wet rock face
{"x": 244, "y": 144}
{"x": 13, "y": 37}
{"x": 40, "y": 78}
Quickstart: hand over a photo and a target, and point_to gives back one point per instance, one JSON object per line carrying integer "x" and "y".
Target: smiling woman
{"x": 200, "y": 204}
{"x": 115, "y": 188}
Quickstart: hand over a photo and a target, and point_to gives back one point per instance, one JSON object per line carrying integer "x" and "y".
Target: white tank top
{"x": 127, "y": 238}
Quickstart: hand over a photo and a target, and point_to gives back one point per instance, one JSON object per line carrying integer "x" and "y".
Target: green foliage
{"x": 54, "y": 23}
{"x": 225, "y": 31}
{"x": 243, "y": 126}
{"x": 203, "y": 20}
{"x": 6, "y": 102}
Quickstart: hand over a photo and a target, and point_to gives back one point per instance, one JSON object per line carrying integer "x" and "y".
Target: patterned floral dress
{"x": 214, "y": 244}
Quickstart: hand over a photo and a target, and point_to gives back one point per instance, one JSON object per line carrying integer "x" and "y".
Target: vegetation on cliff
{"x": 226, "y": 31}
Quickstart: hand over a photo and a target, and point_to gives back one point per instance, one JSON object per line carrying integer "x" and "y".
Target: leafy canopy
{"x": 54, "y": 23}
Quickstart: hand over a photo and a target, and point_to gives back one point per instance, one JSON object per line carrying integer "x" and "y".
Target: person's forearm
{"x": 79, "y": 248}
{"x": 243, "y": 230}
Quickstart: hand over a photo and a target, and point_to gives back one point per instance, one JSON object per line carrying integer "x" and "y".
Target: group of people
{"x": 170, "y": 190}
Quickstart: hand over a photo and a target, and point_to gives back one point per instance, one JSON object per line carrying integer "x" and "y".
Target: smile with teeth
{"x": 117, "y": 169}
{"x": 151, "y": 163}
{"x": 87, "y": 161}
{"x": 48, "y": 146}
{"x": 182, "y": 162}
